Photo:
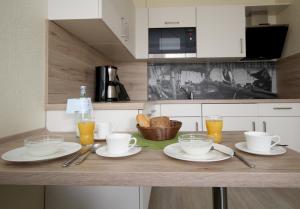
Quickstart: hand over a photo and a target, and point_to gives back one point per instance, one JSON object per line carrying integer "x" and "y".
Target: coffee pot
{"x": 108, "y": 86}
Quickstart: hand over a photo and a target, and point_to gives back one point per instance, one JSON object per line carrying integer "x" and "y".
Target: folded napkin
{"x": 153, "y": 145}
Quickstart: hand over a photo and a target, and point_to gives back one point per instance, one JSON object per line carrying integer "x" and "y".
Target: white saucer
{"x": 20, "y": 154}
{"x": 175, "y": 151}
{"x": 98, "y": 139}
{"x": 102, "y": 151}
{"x": 277, "y": 150}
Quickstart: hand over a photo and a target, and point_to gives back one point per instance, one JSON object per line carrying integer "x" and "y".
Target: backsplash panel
{"x": 228, "y": 80}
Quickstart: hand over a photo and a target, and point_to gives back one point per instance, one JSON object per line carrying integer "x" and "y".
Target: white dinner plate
{"x": 20, "y": 154}
{"x": 102, "y": 151}
{"x": 277, "y": 150}
{"x": 175, "y": 151}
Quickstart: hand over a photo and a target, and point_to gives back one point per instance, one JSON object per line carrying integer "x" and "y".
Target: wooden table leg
{"x": 219, "y": 198}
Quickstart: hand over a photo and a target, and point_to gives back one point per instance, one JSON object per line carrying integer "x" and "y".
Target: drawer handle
{"x": 253, "y": 126}
{"x": 172, "y": 22}
{"x": 242, "y": 45}
{"x": 264, "y": 126}
{"x": 282, "y": 108}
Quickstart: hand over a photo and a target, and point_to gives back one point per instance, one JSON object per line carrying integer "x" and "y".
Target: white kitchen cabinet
{"x": 119, "y": 15}
{"x": 121, "y": 120}
{"x": 73, "y": 9}
{"x": 141, "y": 33}
{"x": 236, "y": 123}
{"x": 107, "y": 25}
{"x": 170, "y": 17}
{"x": 236, "y": 117}
{"x": 181, "y": 110}
{"x": 286, "y": 127}
{"x": 221, "y": 31}
{"x": 281, "y": 119}
{"x": 188, "y": 114}
{"x": 279, "y": 109}
{"x": 189, "y": 123}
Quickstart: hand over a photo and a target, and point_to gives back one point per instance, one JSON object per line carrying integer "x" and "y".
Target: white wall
{"x": 291, "y": 16}
{"x": 22, "y": 65}
{"x": 22, "y": 81}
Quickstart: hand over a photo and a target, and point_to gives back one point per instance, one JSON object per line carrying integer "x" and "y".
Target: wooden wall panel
{"x": 71, "y": 63}
{"x": 288, "y": 77}
{"x": 133, "y": 75}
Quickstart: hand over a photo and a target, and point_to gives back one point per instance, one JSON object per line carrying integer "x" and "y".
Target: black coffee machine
{"x": 108, "y": 86}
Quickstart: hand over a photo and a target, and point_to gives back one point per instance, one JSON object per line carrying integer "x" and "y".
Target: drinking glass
{"x": 214, "y": 126}
{"x": 86, "y": 131}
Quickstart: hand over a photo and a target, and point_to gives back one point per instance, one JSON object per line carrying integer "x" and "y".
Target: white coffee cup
{"x": 261, "y": 141}
{"x": 103, "y": 129}
{"x": 119, "y": 143}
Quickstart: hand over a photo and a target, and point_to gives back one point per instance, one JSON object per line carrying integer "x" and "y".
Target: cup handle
{"x": 275, "y": 142}
{"x": 132, "y": 145}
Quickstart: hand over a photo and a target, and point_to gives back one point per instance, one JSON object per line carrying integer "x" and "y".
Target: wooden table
{"x": 153, "y": 168}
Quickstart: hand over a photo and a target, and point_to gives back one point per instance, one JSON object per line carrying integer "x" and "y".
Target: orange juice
{"x": 86, "y": 130}
{"x": 214, "y": 127}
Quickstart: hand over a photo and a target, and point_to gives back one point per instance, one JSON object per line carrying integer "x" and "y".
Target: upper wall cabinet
{"x": 73, "y": 9}
{"x": 221, "y": 31}
{"x": 170, "y": 17}
{"x": 107, "y": 25}
{"x": 141, "y": 33}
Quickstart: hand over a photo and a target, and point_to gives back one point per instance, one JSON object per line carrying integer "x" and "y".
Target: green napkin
{"x": 153, "y": 145}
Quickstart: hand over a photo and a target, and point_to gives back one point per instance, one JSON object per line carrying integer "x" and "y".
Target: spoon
{"x": 92, "y": 150}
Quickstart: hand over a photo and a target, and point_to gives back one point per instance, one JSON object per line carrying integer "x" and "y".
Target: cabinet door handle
{"x": 282, "y": 108}
{"x": 264, "y": 126}
{"x": 172, "y": 22}
{"x": 124, "y": 29}
{"x": 242, "y": 45}
{"x": 253, "y": 126}
{"x": 197, "y": 126}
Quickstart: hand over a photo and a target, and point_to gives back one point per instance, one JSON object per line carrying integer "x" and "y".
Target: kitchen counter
{"x": 153, "y": 168}
{"x": 136, "y": 105}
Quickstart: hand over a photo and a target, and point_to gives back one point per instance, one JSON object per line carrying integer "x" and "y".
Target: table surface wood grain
{"x": 153, "y": 168}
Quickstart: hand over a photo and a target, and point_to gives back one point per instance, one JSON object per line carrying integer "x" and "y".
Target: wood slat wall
{"x": 288, "y": 77}
{"x": 133, "y": 75}
{"x": 71, "y": 63}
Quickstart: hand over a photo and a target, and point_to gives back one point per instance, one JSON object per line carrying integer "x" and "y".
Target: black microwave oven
{"x": 172, "y": 42}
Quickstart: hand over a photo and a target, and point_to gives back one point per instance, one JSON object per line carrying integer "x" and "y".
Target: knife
{"x": 234, "y": 154}
{"x": 82, "y": 151}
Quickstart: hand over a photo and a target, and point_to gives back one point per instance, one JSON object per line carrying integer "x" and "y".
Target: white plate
{"x": 20, "y": 154}
{"x": 277, "y": 150}
{"x": 102, "y": 151}
{"x": 174, "y": 151}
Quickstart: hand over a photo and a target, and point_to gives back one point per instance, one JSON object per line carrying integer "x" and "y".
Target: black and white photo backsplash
{"x": 234, "y": 80}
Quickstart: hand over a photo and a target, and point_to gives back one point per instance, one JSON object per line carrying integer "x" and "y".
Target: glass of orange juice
{"x": 86, "y": 130}
{"x": 214, "y": 126}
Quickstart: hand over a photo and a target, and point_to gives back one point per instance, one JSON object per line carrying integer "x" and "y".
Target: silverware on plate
{"x": 238, "y": 156}
{"x": 82, "y": 151}
{"x": 84, "y": 156}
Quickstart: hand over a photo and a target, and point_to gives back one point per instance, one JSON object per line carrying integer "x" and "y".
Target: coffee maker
{"x": 108, "y": 86}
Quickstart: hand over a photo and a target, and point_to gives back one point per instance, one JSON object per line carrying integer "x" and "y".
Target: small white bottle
{"x": 85, "y": 108}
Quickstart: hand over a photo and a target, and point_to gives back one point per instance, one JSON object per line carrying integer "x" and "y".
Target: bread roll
{"x": 143, "y": 120}
{"x": 160, "y": 122}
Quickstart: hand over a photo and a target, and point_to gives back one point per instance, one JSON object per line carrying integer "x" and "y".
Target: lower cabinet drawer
{"x": 177, "y": 110}
{"x": 189, "y": 123}
{"x": 237, "y": 123}
{"x": 239, "y": 110}
{"x": 279, "y": 109}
